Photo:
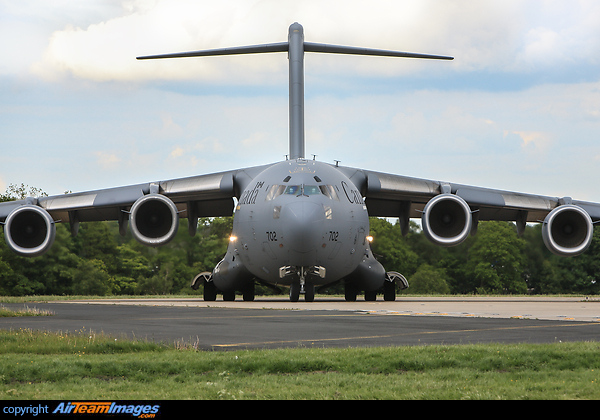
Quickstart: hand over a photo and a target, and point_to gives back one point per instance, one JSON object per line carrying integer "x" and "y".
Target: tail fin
{"x": 295, "y": 47}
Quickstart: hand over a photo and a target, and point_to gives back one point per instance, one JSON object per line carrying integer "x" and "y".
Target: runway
{"x": 277, "y": 323}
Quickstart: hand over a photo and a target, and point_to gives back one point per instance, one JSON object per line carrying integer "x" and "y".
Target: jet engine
{"x": 29, "y": 231}
{"x": 567, "y": 230}
{"x": 154, "y": 220}
{"x": 447, "y": 220}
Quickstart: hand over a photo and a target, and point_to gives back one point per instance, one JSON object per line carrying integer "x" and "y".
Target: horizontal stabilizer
{"x": 340, "y": 49}
{"x": 250, "y": 49}
{"x": 308, "y": 47}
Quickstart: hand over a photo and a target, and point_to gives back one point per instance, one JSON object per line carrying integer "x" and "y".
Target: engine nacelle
{"x": 29, "y": 231}
{"x": 567, "y": 230}
{"x": 447, "y": 220}
{"x": 154, "y": 220}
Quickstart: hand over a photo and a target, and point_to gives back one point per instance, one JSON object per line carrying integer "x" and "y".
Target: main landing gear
{"x": 211, "y": 291}
{"x": 392, "y": 279}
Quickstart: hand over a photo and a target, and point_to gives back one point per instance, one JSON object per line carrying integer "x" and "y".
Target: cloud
{"x": 106, "y": 50}
{"x": 484, "y": 36}
{"x": 177, "y": 152}
{"x": 534, "y": 142}
{"x": 525, "y": 81}
{"x": 108, "y": 161}
{"x": 169, "y": 128}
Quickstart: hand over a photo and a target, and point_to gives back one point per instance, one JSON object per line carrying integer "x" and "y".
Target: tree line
{"x": 99, "y": 261}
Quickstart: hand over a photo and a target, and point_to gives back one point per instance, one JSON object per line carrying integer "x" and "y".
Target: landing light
{"x": 232, "y": 238}
{"x": 370, "y": 238}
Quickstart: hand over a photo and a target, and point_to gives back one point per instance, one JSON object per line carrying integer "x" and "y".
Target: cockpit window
{"x": 329, "y": 191}
{"x": 311, "y": 190}
{"x": 293, "y": 190}
{"x": 301, "y": 190}
{"x": 274, "y": 191}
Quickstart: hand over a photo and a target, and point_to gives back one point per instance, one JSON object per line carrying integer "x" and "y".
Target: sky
{"x": 517, "y": 109}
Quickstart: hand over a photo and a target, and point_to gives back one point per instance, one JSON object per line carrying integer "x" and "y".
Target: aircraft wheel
{"x": 210, "y": 291}
{"x": 228, "y": 296}
{"x": 248, "y": 293}
{"x": 309, "y": 293}
{"x": 370, "y": 296}
{"x": 294, "y": 292}
{"x": 350, "y": 293}
{"x": 389, "y": 291}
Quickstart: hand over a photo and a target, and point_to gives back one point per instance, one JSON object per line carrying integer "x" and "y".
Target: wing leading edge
{"x": 152, "y": 208}
{"x": 492, "y": 204}
{"x": 205, "y": 191}
{"x": 451, "y": 211}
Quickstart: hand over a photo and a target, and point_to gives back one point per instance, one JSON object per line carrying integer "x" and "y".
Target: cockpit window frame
{"x": 329, "y": 191}
{"x": 274, "y": 191}
{"x": 299, "y": 190}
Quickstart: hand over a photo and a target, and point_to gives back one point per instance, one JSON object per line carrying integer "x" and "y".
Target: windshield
{"x": 301, "y": 190}
{"x": 311, "y": 190}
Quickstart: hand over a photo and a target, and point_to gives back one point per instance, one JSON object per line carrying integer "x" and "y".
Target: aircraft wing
{"x": 212, "y": 194}
{"x": 389, "y": 195}
{"x": 30, "y": 222}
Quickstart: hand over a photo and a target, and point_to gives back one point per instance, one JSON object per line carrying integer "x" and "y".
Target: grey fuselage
{"x": 299, "y": 222}
{"x": 297, "y": 219}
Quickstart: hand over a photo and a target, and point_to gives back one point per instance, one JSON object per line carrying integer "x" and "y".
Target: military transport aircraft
{"x": 298, "y": 223}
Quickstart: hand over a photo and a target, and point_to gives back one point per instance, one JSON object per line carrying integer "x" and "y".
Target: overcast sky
{"x": 518, "y": 108}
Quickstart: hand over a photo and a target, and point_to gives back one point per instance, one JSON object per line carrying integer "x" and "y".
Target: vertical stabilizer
{"x": 295, "y": 47}
{"x": 296, "y": 57}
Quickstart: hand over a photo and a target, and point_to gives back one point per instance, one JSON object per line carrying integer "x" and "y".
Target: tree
{"x": 20, "y": 192}
{"x": 581, "y": 274}
{"x": 132, "y": 268}
{"x": 96, "y": 242}
{"x": 390, "y": 248}
{"x": 496, "y": 260}
{"x": 100, "y": 261}
{"x": 92, "y": 278}
{"x": 429, "y": 280}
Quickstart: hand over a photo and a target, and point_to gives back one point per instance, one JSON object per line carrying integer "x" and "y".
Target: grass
{"x": 42, "y": 365}
{"x": 54, "y": 298}
{"x": 27, "y": 311}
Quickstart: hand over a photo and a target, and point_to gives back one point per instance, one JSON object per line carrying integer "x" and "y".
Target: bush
{"x": 429, "y": 280}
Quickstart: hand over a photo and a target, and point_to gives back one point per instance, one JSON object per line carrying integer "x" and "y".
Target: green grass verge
{"x": 41, "y": 365}
{"x": 27, "y": 311}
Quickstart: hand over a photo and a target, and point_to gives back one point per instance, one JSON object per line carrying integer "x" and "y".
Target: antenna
{"x": 295, "y": 47}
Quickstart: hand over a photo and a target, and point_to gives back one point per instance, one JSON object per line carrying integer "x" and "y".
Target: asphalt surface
{"x": 277, "y": 323}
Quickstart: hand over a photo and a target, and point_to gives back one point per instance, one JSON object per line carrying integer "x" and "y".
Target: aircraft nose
{"x": 303, "y": 223}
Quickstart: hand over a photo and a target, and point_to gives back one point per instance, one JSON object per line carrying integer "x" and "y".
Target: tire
{"x": 309, "y": 293}
{"x": 294, "y": 292}
{"x": 370, "y": 296}
{"x": 350, "y": 293}
{"x": 210, "y": 291}
{"x": 389, "y": 291}
{"x": 248, "y": 293}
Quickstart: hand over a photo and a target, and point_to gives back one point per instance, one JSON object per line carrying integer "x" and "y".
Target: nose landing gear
{"x": 302, "y": 286}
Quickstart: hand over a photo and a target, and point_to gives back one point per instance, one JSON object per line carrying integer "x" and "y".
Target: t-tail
{"x": 296, "y": 47}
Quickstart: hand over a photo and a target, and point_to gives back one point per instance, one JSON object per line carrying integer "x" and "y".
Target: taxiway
{"x": 327, "y": 322}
